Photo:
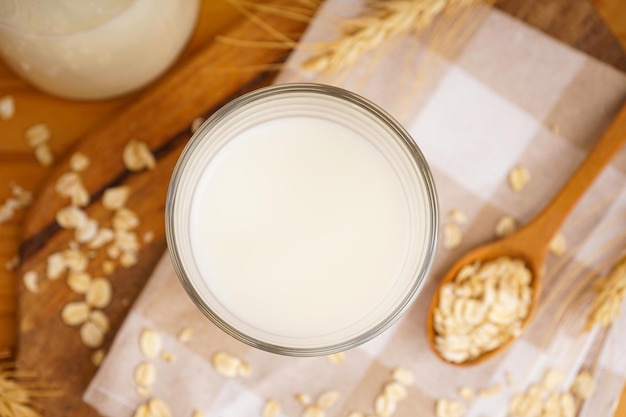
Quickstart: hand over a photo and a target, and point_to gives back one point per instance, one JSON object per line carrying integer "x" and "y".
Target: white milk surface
{"x": 299, "y": 226}
{"x": 72, "y": 49}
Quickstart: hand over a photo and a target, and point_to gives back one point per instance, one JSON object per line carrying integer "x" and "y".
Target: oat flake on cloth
{"x": 510, "y": 95}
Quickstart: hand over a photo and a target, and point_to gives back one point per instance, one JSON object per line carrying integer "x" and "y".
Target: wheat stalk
{"x": 610, "y": 292}
{"x": 385, "y": 20}
{"x": 16, "y": 393}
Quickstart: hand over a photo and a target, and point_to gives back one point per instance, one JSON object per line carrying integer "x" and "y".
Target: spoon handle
{"x": 548, "y": 222}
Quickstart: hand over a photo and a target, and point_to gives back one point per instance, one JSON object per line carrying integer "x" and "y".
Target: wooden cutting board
{"x": 161, "y": 117}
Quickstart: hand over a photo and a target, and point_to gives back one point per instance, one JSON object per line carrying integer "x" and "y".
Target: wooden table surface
{"x": 572, "y": 21}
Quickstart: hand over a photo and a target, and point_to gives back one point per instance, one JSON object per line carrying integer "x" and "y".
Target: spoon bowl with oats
{"x": 489, "y": 295}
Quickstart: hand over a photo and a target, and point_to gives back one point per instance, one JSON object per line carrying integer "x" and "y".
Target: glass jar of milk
{"x": 93, "y": 49}
{"x": 302, "y": 219}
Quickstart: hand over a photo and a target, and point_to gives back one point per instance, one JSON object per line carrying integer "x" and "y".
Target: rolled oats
{"x": 314, "y": 411}
{"x": 75, "y": 313}
{"x": 137, "y": 156}
{"x": 7, "y": 107}
{"x": 196, "y": 123}
{"x": 336, "y": 358}
{"x": 482, "y": 308}
{"x": 168, "y": 357}
{"x": 44, "y": 155}
{"x": 97, "y": 357}
{"x": 71, "y": 217}
{"x": 449, "y": 408}
{"x": 403, "y": 376}
{"x": 142, "y": 411}
{"x": 37, "y": 135}
{"x": 226, "y": 364}
{"x": 158, "y": 408}
{"x": 145, "y": 374}
{"x": 519, "y": 177}
{"x": 55, "y": 266}
{"x": 395, "y": 391}
{"x": 91, "y": 335}
{"x": 552, "y": 379}
{"x": 99, "y": 293}
{"x": 148, "y": 237}
{"x": 271, "y": 408}
{"x": 108, "y": 267}
{"x": 328, "y": 399}
{"x": 506, "y": 226}
{"x": 114, "y": 198}
{"x": 79, "y": 162}
{"x": 12, "y": 264}
{"x": 452, "y": 236}
{"x": 384, "y": 406}
{"x": 458, "y": 216}
{"x": 79, "y": 282}
{"x": 466, "y": 393}
{"x": 488, "y": 392}
{"x": 558, "y": 244}
{"x": 100, "y": 319}
{"x": 128, "y": 259}
{"x": 31, "y": 281}
{"x": 584, "y": 385}
{"x": 87, "y": 232}
{"x": 303, "y": 398}
{"x": 103, "y": 236}
{"x": 150, "y": 343}
{"x": 185, "y": 334}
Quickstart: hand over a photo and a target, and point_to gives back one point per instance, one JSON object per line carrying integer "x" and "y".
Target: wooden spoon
{"x": 530, "y": 243}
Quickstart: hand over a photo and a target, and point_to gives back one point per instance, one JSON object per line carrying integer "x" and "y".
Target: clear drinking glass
{"x": 93, "y": 49}
{"x": 206, "y": 151}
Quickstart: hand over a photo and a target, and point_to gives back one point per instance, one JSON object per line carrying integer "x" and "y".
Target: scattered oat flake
{"x": 558, "y": 244}
{"x": 584, "y": 385}
{"x": 12, "y": 264}
{"x": 449, "y": 408}
{"x": 44, "y": 155}
{"x": 87, "y": 232}
{"x": 137, "y": 156}
{"x": 31, "y": 281}
{"x": 489, "y": 391}
{"x": 303, "y": 398}
{"x": 197, "y": 413}
{"x": 384, "y": 406}
{"x": 128, "y": 259}
{"x": 143, "y": 391}
{"x": 79, "y": 282}
{"x": 97, "y": 357}
{"x": 125, "y": 219}
{"x": 148, "y": 237}
{"x": 336, "y": 358}
{"x": 328, "y": 399}
{"x": 145, "y": 374}
{"x": 115, "y": 198}
{"x": 7, "y": 107}
{"x": 99, "y": 293}
{"x": 79, "y": 162}
{"x": 506, "y": 226}
{"x": 150, "y": 343}
{"x": 75, "y": 313}
{"x": 103, "y": 236}
{"x": 142, "y": 411}
{"x": 108, "y": 267}
{"x": 458, "y": 216}
{"x": 519, "y": 178}
{"x": 158, "y": 408}
{"x": 185, "y": 334}
{"x": 552, "y": 379}
{"x": 55, "y": 266}
{"x": 466, "y": 393}
{"x": 226, "y": 364}
{"x": 313, "y": 411}
{"x": 395, "y": 391}
{"x": 75, "y": 260}
{"x": 71, "y": 217}
{"x": 271, "y": 409}
{"x": 91, "y": 335}
{"x": 100, "y": 319}
{"x": 37, "y": 134}
{"x": 403, "y": 376}
{"x": 452, "y": 236}
{"x": 196, "y": 123}
{"x": 168, "y": 357}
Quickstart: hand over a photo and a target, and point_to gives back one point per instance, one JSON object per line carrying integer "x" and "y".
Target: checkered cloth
{"x": 507, "y": 95}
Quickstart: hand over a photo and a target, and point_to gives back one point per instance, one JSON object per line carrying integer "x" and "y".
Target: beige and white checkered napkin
{"x": 509, "y": 95}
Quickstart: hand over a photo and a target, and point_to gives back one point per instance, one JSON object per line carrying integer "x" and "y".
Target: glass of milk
{"x": 93, "y": 49}
{"x": 302, "y": 219}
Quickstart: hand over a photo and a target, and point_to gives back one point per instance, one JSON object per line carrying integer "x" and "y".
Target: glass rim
{"x": 398, "y": 131}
